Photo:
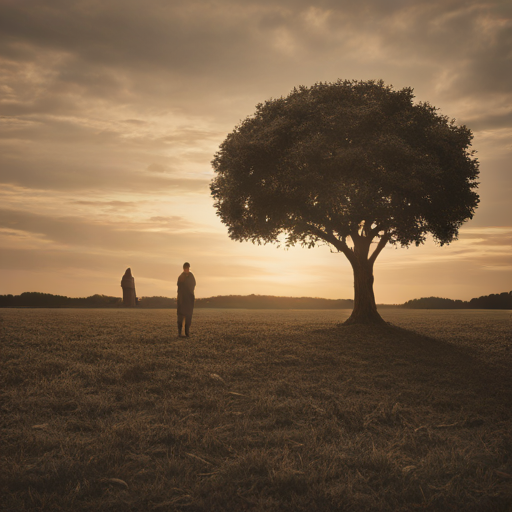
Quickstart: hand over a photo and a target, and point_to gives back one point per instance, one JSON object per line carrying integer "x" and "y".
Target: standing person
{"x": 186, "y": 297}
{"x": 128, "y": 285}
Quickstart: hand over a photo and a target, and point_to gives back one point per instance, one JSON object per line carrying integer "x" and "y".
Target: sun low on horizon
{"x": 112, "y": 113}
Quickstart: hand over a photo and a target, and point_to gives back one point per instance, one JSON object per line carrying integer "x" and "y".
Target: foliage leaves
{"x": 327, "y": 160}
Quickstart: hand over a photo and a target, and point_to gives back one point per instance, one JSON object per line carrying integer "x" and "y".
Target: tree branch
{"x": 367, "y": 229}
{"x": 354, "y": 234}
{"x": 375, "y": 231}
{"x": 382, "y": 243}
{"x": 329, "y": 237}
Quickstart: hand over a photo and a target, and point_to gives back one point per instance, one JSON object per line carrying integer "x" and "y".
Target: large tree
{"x": 348, "y": 163}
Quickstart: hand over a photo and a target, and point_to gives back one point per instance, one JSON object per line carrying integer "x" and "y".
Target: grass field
{"x": 259, "y": 410}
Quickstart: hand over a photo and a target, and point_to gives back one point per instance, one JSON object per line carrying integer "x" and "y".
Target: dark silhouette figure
{"x": 128, "y": 285}
{"x": 186, "y": 298}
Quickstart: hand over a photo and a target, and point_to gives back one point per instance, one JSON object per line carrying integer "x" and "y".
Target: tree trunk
{"x": 365, "y": 309}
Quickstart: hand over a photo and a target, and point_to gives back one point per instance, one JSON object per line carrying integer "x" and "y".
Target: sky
{"x": 111, "y": 112}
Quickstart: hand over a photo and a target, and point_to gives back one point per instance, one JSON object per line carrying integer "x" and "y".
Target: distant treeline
{"x": 251, "y": 302}
{"x": 493, "y": 301}
{"x": 47, "y": 300}
{"x": 271, "y": 302}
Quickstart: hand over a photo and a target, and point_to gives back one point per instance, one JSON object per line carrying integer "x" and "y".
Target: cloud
{"x": 86, "y": 171}
{"x": 196, "y": 54}
{"x": 219, "y": 60}
{"x": 172, "y": 221}
{"x": 113, "y": 206}
{"x": 493, "y": 121}
{"x": 490, "y": 240}
{"x": 117, "y": 237}
{"x": 157, "y": 168}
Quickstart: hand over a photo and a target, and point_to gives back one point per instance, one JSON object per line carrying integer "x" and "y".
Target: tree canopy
{"x": 348, "y": 163}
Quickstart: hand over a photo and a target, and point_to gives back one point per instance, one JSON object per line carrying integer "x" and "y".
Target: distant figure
{"x": 128, "y": 284}
{"x": 186, "y": 297}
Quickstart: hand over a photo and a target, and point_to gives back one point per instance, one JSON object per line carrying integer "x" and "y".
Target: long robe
{"x": 128, "y": 285}
{"x": 186, "y": 297}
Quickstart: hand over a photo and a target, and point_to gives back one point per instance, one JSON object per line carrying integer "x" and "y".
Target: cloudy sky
{"x": 111, "y": 112}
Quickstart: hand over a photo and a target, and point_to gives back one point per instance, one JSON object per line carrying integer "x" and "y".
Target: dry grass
{"x": 259, "y": 410}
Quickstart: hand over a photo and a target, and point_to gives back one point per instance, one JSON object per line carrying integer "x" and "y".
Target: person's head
{"x": 186, "y": 267}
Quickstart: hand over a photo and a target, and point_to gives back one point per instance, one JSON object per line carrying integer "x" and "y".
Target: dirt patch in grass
{"x": 259, "y": 410}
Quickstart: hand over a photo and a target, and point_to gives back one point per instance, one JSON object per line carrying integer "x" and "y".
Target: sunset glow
{"x": 111, "y": 114}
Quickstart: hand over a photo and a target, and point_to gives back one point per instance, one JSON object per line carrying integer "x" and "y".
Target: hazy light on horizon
{"x": 111, "y": 114}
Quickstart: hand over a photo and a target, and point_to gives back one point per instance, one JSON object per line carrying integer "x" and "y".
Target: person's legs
{"x": 188, "y": 322}
{"x": 180, "y": 323}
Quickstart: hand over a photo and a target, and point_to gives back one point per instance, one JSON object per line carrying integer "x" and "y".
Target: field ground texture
{"x": 258, "y": 410}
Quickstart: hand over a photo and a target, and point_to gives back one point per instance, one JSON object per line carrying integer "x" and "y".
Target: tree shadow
{"x": 416, "y": 358}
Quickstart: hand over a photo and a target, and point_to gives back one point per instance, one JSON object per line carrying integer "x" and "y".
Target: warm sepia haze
{"x": 111, "y": 113}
